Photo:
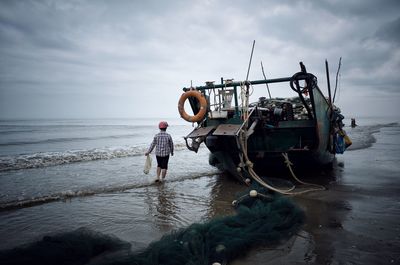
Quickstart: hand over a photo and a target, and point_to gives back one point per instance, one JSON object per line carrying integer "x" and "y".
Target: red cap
{"x": 163, "y": 125}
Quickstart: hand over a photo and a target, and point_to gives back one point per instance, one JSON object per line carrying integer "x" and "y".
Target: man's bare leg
{"x": 158, "y": 174}
{"x": 163, "y": 173}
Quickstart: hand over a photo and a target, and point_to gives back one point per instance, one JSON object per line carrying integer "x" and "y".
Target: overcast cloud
{"x": 95, "y": 59}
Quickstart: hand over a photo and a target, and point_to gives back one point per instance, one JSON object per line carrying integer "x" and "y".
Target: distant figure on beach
{"x": 164, "y": 146}
{"x": 353, "y": 123}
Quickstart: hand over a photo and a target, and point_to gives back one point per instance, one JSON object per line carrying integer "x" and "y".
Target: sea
{"x": 61, "y": 175}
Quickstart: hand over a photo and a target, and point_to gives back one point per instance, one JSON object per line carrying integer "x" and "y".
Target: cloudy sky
{"x": 96, "y": 59}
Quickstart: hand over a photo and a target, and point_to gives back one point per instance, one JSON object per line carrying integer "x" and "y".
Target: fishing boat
{"x": 245, "y": 137}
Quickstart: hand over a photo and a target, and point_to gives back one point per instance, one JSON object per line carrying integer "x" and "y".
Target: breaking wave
{"x": 46, "y": 159}
{"x": 70, "y": 194}
{"x": 67, "y": 139}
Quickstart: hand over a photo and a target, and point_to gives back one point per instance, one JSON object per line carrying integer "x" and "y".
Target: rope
{"x": 253, "y": 194}
{"x": 249, "y": 164}
{"x": 254, "y": 175}
{"x": 244, "y": 98}
{"x": 239, "y": 169}
{"x": 289, "y": 191}
{"x": 289, "y": 165}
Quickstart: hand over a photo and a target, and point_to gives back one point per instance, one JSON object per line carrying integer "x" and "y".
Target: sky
{"x": 130, "y": 59}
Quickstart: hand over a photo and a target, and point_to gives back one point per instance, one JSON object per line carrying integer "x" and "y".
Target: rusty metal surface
{"x": 202, "y": 131}
{"x": 227, "y": 129}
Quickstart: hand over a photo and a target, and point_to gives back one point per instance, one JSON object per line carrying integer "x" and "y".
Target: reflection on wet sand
{"x": 321, "y": 215}
{"x": 324, "y": 214}
{"x": 160, "y": 202}
{"x": 223, "y": 192}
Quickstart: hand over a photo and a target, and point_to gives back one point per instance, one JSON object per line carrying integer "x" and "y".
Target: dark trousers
{"x": 162, "y": 161}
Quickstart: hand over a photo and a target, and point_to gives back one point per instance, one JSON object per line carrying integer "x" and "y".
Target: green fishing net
{"x": 264, "y": 219}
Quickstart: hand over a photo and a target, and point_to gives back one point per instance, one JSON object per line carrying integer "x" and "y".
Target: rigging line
{"x": 265, "y": 78}
{"x": 337, "y": 74}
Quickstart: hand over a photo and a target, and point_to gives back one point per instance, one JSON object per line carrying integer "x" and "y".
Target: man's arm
{"x": 153, "y": 144}
{"x": 171, "y": 145}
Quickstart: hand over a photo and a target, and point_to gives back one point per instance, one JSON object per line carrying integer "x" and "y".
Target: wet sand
{"x": 355, "y": 221}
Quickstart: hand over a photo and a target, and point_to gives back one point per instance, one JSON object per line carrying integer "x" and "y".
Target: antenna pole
{"x": 265, "y": 78}
{"x": 337, "y": 76}
{"x": 251, "y": 57}
{"x": 329, "y": 82}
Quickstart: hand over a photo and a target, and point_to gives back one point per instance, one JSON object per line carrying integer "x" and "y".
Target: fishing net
{"x": 261, "y": 219}
{"x": 76, "y": 247}
{"x": 265, "y": 219}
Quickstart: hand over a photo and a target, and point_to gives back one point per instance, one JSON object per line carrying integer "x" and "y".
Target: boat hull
{"x": 265, "y": 162}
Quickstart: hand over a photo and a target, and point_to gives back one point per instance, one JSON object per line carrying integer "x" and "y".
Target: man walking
{"x": 164, "y": 146}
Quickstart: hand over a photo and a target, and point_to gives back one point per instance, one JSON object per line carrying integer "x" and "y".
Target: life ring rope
{"x": 203, "y": 106}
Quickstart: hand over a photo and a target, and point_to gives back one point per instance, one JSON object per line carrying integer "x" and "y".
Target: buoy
{"x": 253, "y": 193}
{"x": 249, "y": 163}
{"x": 248, "y": 181}
{"x": 203, "y": 106}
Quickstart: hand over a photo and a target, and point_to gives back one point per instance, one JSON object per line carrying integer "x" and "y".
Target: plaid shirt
{"x": 163, "y": 143}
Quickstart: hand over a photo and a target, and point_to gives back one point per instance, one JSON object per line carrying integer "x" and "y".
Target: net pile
{"x": 259, "y": 221}
{"x": 262, "y": 219}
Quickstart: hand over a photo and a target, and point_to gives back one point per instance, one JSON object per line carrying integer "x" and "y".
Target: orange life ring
{"x": 203, "y": 106}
